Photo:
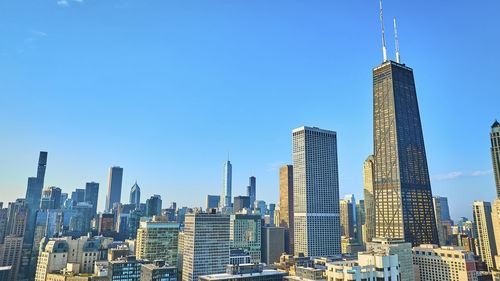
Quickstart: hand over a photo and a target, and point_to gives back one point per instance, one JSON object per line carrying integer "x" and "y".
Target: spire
{"x": 397, "y": 45}
{"x": 383, "y": 36}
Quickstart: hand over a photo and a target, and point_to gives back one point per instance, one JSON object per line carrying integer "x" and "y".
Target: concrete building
{"x": 245, "y": 272}
{"x": 368, "y": 178}
{"x": 316, "y": 192}
{"x": 245, "y": 234}
{"x": 157, "y": 240}
{"x": 483, "y": 231}
{"x": 158, "y": 271}
{"x": 205, "y": 246}
{"x": 402, "y": 249}
{"x": 368, "y": 267}
{"x": 286, "y": 206}
{"x": 114, "y": 187}
{"x": 443, "y": 264}
{"x": 273, "y": 244}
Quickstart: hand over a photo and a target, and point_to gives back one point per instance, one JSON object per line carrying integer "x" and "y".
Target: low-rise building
{"x": 370, "y": 266}
{"x": 158, "y": 271}
{"x": 245, "y": 272}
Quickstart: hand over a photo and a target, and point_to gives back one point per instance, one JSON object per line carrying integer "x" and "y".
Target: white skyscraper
{"x": 227, "y": 179}
{"x": 316, "y": 192}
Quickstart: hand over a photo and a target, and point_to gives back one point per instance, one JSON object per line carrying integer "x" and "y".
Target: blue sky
{"x": 166, "y": 89}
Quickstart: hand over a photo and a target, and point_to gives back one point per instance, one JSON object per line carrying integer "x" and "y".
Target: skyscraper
{"x": 241, "y": 202}
{"x": 286, "y": 206}
{"x": 316, "y": 192}
{"x": 346, "y": 218}
{"x": 227, "y": 178}
{"x": 205, "y": 245}
{"x": 402, "y": 190}
{"x": 439, "y": 221}
{"x": 33, "y": 196}
{"x": 495, "y": 153}
{"x": 157, "y": 240}
{"x": 369, "y": 227}
{"x": 252, "y": 189}
{"x": 51, "y": 198}
{"x": 213, "y": 202}
{"x": 153, "y": 206}
{"x": 91, "y": 195}
{"x": 445, "y": 209}
{"x": 114, "y": 187}
{"x": 135, "y": 195}
{"x": 245, "y": 234}
{"x": 483, "y": 231}
{"x": 361, "y": 220}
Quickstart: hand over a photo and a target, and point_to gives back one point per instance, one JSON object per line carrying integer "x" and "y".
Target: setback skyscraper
{"x": 495, "y": 153}
{"x": 286, "y": 206}
{"x": 114, "y": 187}
{"x": 227, "y": 178}
{"x": 33, "y": 196}
{"x": 316, "y": 192}
{"x": 402, "y": 189}
{"x": 252, "y": 189}
{"x": 135, "y": 195}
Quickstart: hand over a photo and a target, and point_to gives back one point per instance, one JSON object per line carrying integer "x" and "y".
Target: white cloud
{"x": 481, "y": 173}
{"x": 448, "y": 176}
{"x": 62, "y": 3}
{"x": 79, "y": 1}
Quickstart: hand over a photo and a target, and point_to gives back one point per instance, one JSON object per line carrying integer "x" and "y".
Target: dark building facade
{"x": 241, "y": 202}
{"x": 495, "y": 153}
{"x": 252, "y": 189}
{"x": 114, "y": 187}
{"x": 402, "y": 189}
{"x": 91, "y": 195}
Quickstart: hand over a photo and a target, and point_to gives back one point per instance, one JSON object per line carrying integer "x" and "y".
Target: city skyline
{"x": 454, "y": 167}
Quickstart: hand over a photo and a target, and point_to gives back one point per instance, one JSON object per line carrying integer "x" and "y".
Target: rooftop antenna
{"x": 383, "y": 36}
{"x": 397, "y": 46}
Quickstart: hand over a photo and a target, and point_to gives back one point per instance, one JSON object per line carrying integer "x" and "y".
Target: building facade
{"x": 484, "y": 233}
{"x": 252, "y": 189}
{"x": 245, "y": 234}
{"x": 347, "y": 218}
{"x": 495, "y": 153}
{"x": 368, "y": 177}
{"x": 135, "y": 195}
{"x": 273, "y": 244}
{"x": 227, "y": 180}
{"x": 114, "y": 187}
{"x": 286, "y": 206}
{"x": 402, "y": 249}
{"x": 315, "y": 192}
{"x": 157, "y": 240}
{"x": 91, "y": 195}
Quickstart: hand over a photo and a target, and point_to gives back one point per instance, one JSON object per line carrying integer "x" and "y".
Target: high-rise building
{"x": 402, "y": 190}
{"x": 443, "y": 264}
{"x": 495, "y": 153}
{"x": 273, "y": 244}
{"x": 286, "y": 206}
{"x": 240, "y": 203}
{"x": 368, "y": 177}
{"x": 33, "y": 196}
{"x": 227, "y": 179}
{"x": 483, "y": 231}
{"x": 157, "y": 240}
{"x": 400, "y": 248}
{"x": 368, "y": 266}
{"x": 361, "y": 220}
{"x": 106, "y": 224}
{"x": 316, "y": 192}
{"x": 205, "y": 246}
{"x": 252, "y": 189}
{"x": 213, "y": 202}
{"x": 114, "y": 187}
{"x": 346, "y": 218}
{"x": 495, "y": 220}
{"x": 245, "y": 234}
{"x": 78, "y": 195}
{"x": 352, "y": 199}
{"x": 135, "y": 195}
{"x": 436, "y": 202}
{"x": 51, "y": 198}
{"x": 445, "y": 209}
{"x": 91, "y": 195}
{"x": 11, "y": 249}
{"x": 153, "y": 206}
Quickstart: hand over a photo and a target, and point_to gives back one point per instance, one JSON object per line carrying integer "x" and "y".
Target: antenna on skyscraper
{"x": 383, "y": 36}
{"x": 397, "y": 46}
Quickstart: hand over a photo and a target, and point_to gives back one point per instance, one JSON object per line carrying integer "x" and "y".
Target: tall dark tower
{"x": 402, "y": 189}
{"x": 495, "y": 153}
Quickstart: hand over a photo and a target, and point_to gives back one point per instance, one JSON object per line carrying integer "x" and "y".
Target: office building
{"x": 495, "y": 153}
{"x": 125, "y": 268}
{"x": 316, "y": 192}
{"x": 213, "y": 202}
{"x": 245, "y": 234}
{"x": 346, "y": 218}
{"x": 135, "y": 195}
{"x": 51, "y": 198}
{"x": 370, "y": 266}
{"x": 369, "y": 197}
{"x": 403, "y": 205}
{"x": 252, "y": 189}
{"x": 238, "y": 256}
{"x": 153, "y": 206}
{"x": 91, "y": 195}
{"x": 495, "y": 221}
{"x": 483, "y": 231}
{"x": 445, "y": 209}
{"x": 443, "y": 264}
{"x": 78, "y": 195}
{"x": 158, "y": 271}
{"x": 436, "y": 202}
{"x": 240, "y": 203}
{"x": 114, "y": 187}
{"x": 205, "y": 246}
{"x": 273, "y": 244}
{"x": 106, "y": 224}
{"x": 402, "y": 249}
{"x": 12, "y": 248}
{"x": 286, "y": 206}
{"x": 350, "y": 245}
{"x": 245, "y": 272}
{"x": 361, "y": 220}
{"x": 157, "y": 240}
{"x": 227, "y": 179}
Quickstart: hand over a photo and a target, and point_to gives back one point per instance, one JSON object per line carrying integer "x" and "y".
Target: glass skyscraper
{"x": 227, "y": 179}
{"x": 316, "y": 192}
{"x": 402, "y": 190}
{"x": 114, "y": 187}
{"x": 495, "y": 153}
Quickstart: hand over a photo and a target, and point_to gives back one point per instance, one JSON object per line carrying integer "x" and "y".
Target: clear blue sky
{"x": 166, "y": 89}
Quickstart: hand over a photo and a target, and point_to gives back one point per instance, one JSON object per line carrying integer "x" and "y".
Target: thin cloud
{"x": 448, "y": 176}
{"x": 63, "y": 3}
{"x": 482, "y": 173}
